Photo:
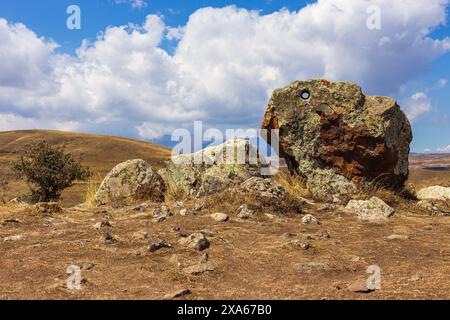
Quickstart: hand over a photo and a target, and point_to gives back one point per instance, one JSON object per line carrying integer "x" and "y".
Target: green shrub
{"x": 48, "y": 171}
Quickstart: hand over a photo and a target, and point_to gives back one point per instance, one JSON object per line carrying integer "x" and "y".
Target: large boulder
{"x": 213, "y": 169}
{"x": 131, "y": 181}
{"x": 339, "y": 139}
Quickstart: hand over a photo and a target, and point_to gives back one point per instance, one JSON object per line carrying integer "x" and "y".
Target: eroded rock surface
{"x": 434, "y": 193}
{"x": 339, "y": 139}
{"x": 372, "y": 210}
{"x": 213, "y": 169}
{"x": 129, "y": 181}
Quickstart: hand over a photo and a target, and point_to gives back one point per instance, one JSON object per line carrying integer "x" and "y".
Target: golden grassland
{"x": 99, "y": 152}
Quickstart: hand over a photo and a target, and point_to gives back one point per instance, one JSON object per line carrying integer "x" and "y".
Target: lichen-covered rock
{"x": 435, "y": 207}
{"x": 213, "y": 169}
{"x": 339, "y": 139}
{"x": 372, "y": 210}
{"x": 264, "y": 187}
{"x": 130, "y": 181}
{"x": 434, "y": 193}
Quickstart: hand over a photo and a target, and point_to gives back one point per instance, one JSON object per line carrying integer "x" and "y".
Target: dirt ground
{"x": 252, "y": 259}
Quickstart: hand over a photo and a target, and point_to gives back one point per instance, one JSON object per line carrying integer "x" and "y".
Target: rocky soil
{"x": 125, "y": 253}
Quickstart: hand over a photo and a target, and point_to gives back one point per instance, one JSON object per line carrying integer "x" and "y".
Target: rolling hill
{"x": 99, "y": 152}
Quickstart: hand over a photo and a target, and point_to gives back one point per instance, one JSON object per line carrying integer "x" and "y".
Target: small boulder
{"x": 158, "y": 245}
{"x": 310, "y": 219}
{"x": 220, "y": 217}
{"x": 13, "y": 238}
{"x": 371, "y": 210}
{"x": 196, "y": 241}
{"x": 434, "y": 193}
{"x": 177, "y": 294}
{"x": 185, "y": 212}
{"x": 102, "y": 224}
{"x": 264, "y": 188}
{"x": 161, "y": 213}
{"x": 243, "y": 212}
{"x": 359, "y": 286}
{"x": 198, "y": 269}
{"x": 130, "y": 181}
{"x": 397, "y": 237}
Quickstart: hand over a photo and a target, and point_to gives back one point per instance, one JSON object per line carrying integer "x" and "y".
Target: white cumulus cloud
{"x": 224, "y": 68}
{"x": 417, "y": 105}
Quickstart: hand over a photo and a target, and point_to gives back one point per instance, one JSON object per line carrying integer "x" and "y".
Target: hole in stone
{"x": 305, "y": 95}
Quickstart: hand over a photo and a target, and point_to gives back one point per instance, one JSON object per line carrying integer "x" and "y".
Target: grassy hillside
{"x": 101, "y": 153}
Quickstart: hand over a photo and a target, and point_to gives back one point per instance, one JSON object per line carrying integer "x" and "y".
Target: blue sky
{"x": 182, "y": 74}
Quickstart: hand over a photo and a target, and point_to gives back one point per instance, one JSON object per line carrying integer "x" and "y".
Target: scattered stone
{"x": 397, "y": 237}
{"x": 141, "y": 207}
{"x": 199, "y": 269}
{"x": 199, "y": 205}
{"x": 13, "y": 238}
{"x": 312, "y": 266}
{"x": 177, "y": 294}
{"x": 102, "y": 224}
{"x": 220, "y": 217}
{"x": 243, "y": 212}
{"x": 16, "y": 201}
{"x": 162, "y": 211}
{"x": 48, "y": 207}
{"x": 129, "y": 181}
{"x": 310, "y": 219}
{"x": 264, "y": 188}
{"x": 327, "y": 207}
{"x": 322, "y": 234}
{"x": 372, "y": 210}
{"x": 11, "y": 221}
{"x": 196, "y": 241}
{"x": 158, "y": 245}
{"x": 204, "y": 258}
{"x": 289, "y": 235}
{"x": 305, "y": 201}
{"x": 339, "y": 139}
{"x": 185, "y": 212}
{"x": 270, "y": 216}
{"x": 359, "y": 286}
{"x": 179, "y": 204}
{"x": 109, "y": 238}
{"x": 435, "y": 207}
{"x": 158, "y": 219}
{"x": 434, "y": 193}
{"x": 141, "y": 235}
{"x": 297, "y": 244}
{"x": 208, "y": 233}
{"x": 87, "y": 266}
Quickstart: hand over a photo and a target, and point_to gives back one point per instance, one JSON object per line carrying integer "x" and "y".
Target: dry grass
{"x": 174, "y": 192}
{"x": 294, "y": 184}
{"x": 92, "y": 186}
